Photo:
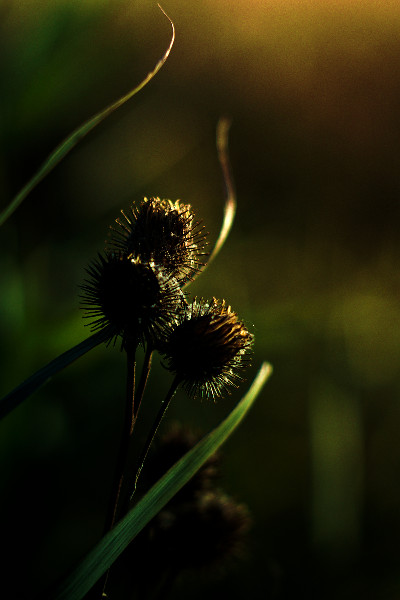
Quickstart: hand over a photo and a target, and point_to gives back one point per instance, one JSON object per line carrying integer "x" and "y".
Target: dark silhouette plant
{"x": 135, "y": 291}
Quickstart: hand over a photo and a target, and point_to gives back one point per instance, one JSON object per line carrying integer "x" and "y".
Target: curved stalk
{"x": 78, "y": 134}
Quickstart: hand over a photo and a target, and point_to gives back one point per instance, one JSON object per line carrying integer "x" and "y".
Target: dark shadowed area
{"x": 311, "y": 266}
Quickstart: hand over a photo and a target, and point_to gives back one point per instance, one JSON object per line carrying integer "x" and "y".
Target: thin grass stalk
{"x": 43, "y": 375}
{"x": 78, "y": 134}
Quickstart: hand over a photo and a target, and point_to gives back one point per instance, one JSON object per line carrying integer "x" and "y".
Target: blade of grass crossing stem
{"x": 66, "y": 146}
{"x": 114, "y": 543}
{"x": 35, "y": 381}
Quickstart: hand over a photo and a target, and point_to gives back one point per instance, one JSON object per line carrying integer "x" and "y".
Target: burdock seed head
{"x": 136, "y": 300}
{"x": 207, "y": 348}
{"x": 164, "y": 232}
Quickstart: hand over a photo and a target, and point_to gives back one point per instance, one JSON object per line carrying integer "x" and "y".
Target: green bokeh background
{"x": 313, "y": 90}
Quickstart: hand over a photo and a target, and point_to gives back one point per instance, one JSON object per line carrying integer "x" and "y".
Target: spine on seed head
{"x": 164, "y": 232}
{"x": 136, "y": 300}
{"x": 207, "y": 348}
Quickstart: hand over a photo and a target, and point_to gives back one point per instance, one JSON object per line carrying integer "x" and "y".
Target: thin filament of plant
{"x": 142, "y": 382}
{"x": 162, "y": 410}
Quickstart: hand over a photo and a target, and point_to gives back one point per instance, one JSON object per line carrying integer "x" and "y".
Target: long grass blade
{"x": 230, "y": 194}
{"x": 76, "y": 136}
{"x": 112, "y": 545}
{"x": 35, "y": 381}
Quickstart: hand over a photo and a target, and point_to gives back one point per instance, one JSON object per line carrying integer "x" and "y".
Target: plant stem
{"x": 142, "y": 381}
{"x": 127, "y": 430}
{"x": 124, "y": 501}
{"x": 163, "y": 409}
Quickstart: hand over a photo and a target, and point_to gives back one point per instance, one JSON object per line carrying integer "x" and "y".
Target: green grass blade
{"x": 66, "y": 146}
{"x": 35, "y": 381}
{"x": 110, "y": 547}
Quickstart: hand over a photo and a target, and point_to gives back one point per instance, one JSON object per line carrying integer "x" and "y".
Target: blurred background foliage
{"x": 313, "y": 89}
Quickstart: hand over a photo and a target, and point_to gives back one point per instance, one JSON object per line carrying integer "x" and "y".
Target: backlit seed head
{"x": 207, "y": 348}
{"x": 136, "y": 300}
{"x": 164, "y": 232}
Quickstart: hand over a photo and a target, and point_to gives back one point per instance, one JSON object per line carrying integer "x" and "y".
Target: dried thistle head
{"x": 136, "y": 300}
{"x": 207, "y": 348}
{"x": 164, "y": 232}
